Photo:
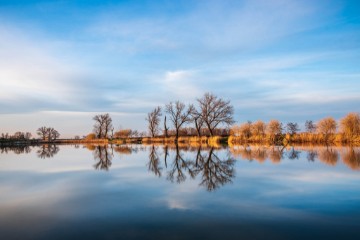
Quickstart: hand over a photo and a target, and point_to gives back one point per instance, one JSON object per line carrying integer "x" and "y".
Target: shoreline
{"x": 280, "y": 140}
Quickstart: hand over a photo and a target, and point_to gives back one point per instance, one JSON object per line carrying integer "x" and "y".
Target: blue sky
{"x": 62, "y": 62}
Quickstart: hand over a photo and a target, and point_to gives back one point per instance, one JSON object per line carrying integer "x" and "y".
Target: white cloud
{"x": 181, "y": 84}
{"x": 210, "y": 26}
{"x": 29, "y": 70}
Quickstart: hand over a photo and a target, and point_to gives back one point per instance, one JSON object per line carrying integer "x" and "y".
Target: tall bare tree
{"x": 215, "y": 111}
{"x": 103, "y": 125}
{"x": 178, "y": 114}
{"x": 153, "y": 119}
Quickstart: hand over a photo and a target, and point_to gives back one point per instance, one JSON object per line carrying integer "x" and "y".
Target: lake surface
{"x": 158, "y": 192}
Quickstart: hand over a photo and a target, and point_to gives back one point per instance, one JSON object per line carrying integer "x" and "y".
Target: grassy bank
{"x": 301, "y": 138}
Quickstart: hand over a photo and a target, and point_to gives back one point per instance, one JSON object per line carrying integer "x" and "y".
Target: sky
{"x": 63, "y": 62}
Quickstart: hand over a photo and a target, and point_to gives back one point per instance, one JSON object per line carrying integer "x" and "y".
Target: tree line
{"x": 45, "y": 133}
{"x": 325, "y": 130}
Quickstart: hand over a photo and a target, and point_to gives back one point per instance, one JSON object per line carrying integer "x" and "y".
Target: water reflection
{"x": 15, "y": 149}
{"x": 175, "y": 162}
{"x": 212, "y": 171}
{"x": 258, "y": 153}
{"x": 351, "y": 158}
{"x": 329, "y": 155}
{"x": 154, "y": 162}
{"x": 47, "y": 151}
{"x": 103, "y": 156}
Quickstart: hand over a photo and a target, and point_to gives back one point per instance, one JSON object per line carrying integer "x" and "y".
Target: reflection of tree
{"x": 258, "y": 153}
{"x": 103, "y": 156}
{"x": 154, "y": 162}
{"x": 276, "y": 154}
{"x": 328, "y": 156}
{"x": 293, "y": 154}
{"x": 47, "y": 151}
{"x": 122, "y": 149}
{"x": 177, "y": 168}
{"x": 214, "y": 172}
{"x": 351, "y": 158}
{"x": 311, "y": 155}
{"x": 15, "y": 149}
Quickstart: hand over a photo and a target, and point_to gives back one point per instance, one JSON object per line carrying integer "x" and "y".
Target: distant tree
{"x": 327, "y": 126}
{"x": 134, "y": 133}
{"x": 90, "y": 136}
{"x": 77, "y": 137}
{"x": 123, "y": 133}
{"x": 52, "y": 134}
{"x": 215, "y": 111}
{"x": 310, "y": 126}
{"x": 153, "y": 120}
{"x": 48, "y": 133}
{"x": 245, "y": 129}
{"x": 258, "y": 128}
{"x": 178, "y": 114}
{"x": 292, "y": 128}
{"x": 274, "y": 128}
{"x": 28, "y": 135}
{"x": 42, "y": 132}
{"x": 103, "y": 125}
{"x": 350, "y": 125}
{"x": 19, "y": 135}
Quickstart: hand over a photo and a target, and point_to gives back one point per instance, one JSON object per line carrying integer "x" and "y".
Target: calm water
{"x": 157, "y": 192}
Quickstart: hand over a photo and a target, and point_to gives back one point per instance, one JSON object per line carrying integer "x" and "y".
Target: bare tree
{"x": 48, "y": 133}
{"x": 215, "y": 111}
{"x": 178, "y": 114}
{"x": 198, "y": 120}
{"x": 292, "y": 128}
{"x": 52, "y": 134}
{"x": 103, "y": 125}
{"x": 42, "y": 132}
{"x": 310, "y": 126}
{"x": 153, "y": 119}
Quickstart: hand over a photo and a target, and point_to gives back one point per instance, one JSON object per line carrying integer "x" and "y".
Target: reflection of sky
{"x": 65, "y": 196}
